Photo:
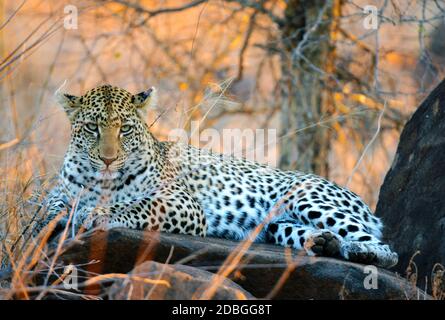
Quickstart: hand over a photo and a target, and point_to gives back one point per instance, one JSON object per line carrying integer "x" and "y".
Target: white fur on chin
{"x": 108, "y": 175}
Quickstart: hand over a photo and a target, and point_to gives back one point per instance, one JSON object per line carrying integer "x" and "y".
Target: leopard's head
{"x": 107, "y": 125}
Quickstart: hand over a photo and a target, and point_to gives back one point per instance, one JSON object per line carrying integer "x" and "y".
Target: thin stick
{"x": 379, "y": 124}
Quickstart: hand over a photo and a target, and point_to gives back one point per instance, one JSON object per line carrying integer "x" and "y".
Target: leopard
{"x": 117, "y": 174}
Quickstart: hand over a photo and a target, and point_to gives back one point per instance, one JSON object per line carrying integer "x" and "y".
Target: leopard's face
{"x": 107, "y": 126}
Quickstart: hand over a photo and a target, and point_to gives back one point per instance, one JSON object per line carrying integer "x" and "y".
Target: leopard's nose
{"x": 108, "y": 161}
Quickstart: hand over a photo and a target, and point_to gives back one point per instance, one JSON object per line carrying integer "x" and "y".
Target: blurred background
{"x": 336, "y": 79}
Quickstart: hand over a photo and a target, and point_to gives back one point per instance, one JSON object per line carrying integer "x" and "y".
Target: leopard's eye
{"x": 126, "y": 128}
{"x": 92, "y": 127}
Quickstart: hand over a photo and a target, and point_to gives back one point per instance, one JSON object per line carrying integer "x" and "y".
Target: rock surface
{"x": 178, "y": 282}
{"x": 259, "y": 271}
{"x": 412, "y": 198}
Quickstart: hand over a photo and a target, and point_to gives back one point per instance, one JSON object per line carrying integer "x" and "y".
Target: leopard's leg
{"x": 291, "y": 233}
{"x": 366, "y": 248}
{"x": 174, "y": 212}
{"x": 324, "y": 206}
{"x": 360, "y": 237}
{"x": 54, "y": 208}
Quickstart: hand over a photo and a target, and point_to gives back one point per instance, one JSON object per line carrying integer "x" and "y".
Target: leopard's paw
{"x": 94, "y": 218}
{"x": 323, "y": 243}
{"x": 369, "y": 253}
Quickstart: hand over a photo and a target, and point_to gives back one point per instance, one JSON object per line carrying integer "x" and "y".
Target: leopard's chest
{"x": 97, "y": 191}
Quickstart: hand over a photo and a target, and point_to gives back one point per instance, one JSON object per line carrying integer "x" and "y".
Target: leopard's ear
{"x": 145, "y": 100}
{"x": 68, "y": 102}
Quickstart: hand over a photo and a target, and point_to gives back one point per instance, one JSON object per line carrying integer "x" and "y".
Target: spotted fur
{"x": 120, "y": 175}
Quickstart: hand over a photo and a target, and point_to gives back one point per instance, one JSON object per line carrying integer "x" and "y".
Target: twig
{"x": 359, "y": 161}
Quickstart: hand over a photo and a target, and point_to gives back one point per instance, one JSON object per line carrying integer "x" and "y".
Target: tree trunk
{"x": 306, "y": 59}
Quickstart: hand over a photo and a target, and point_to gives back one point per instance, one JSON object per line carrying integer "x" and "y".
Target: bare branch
{"x": 153, "y": 13}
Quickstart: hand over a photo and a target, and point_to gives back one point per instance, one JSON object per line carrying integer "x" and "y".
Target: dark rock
{"x": 178, "y": 282}
{"x": 259, "y": 271}
{"x": 412, "y": 198}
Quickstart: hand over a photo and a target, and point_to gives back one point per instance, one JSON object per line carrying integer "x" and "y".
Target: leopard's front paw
{"x": 94, "y": 218}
